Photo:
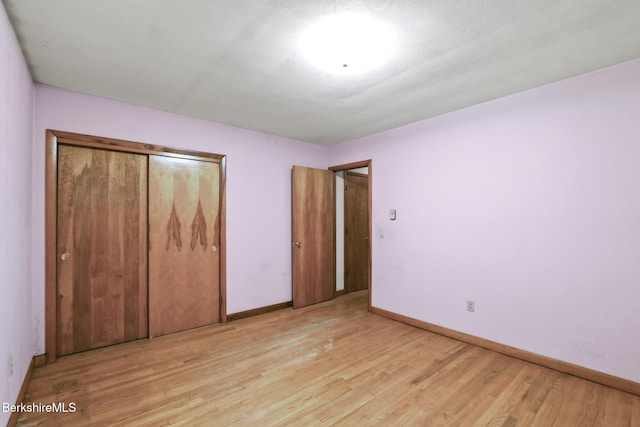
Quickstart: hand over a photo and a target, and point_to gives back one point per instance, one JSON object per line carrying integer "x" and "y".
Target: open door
{"x": 313, "y": 235}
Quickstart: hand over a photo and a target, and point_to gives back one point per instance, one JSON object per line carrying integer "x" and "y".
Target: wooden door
{"x": 184, "y": 262}
{"x": 101, "y": 248}
{"x": 356, "y": 232}
{"x": 313, "y": 232}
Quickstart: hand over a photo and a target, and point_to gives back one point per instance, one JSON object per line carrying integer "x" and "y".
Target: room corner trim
{"x": 548, "y": 362}
{"x": 36, "y": 361}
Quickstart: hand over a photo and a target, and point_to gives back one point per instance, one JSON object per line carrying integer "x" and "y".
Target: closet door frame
{"x": 55, "y": 137}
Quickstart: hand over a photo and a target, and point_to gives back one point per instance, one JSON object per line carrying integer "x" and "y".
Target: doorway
{"x": 356, "y": 230}
{"x": 353, "y": 227}
{"x": 310, "y": 198}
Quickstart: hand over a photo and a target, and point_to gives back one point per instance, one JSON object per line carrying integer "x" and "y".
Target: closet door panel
{"x": 183, "y": 244}
{"x": 101, "y": 248}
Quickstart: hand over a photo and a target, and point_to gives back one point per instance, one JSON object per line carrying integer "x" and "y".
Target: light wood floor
{"x": 332, "y": 363}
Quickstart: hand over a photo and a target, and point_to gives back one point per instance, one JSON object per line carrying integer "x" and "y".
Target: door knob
{"x": 297, "y": 245}
{"x": 65, "y": 256}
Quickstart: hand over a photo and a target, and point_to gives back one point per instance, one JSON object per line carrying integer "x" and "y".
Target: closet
{"x": 136, "y": 241}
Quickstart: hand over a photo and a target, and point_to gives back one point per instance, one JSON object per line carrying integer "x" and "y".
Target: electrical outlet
{"x": 10, "y": 364}
{"x": 471, "y": 305}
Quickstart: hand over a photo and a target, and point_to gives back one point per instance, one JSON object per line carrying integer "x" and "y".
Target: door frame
{"x": 355, "y": 165}
{"x": 55, "y": 137}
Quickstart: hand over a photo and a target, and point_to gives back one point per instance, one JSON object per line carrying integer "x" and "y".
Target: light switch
{"x": 392, "y": 214}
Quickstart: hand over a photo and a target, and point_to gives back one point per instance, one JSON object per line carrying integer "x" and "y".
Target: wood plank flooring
{"x": 332, "y": 363}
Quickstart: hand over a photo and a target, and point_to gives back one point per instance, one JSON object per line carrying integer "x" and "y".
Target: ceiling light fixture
{"x": 348, "y": 44}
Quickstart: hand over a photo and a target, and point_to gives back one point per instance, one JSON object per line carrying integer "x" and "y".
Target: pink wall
{"x": 258, "y": 186}
{"x": 16, "y": 119}
{"x": 529, "y": 205}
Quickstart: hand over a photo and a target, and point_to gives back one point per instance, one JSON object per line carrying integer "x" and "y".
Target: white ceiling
{"x": 238, "y": 62}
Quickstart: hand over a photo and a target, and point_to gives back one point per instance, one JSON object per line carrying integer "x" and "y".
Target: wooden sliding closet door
{"x": 184, "y": 236}
{"x": 101, "y": 248}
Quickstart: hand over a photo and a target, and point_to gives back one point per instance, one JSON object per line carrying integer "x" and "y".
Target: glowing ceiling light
{"x": 348, "y": 44}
